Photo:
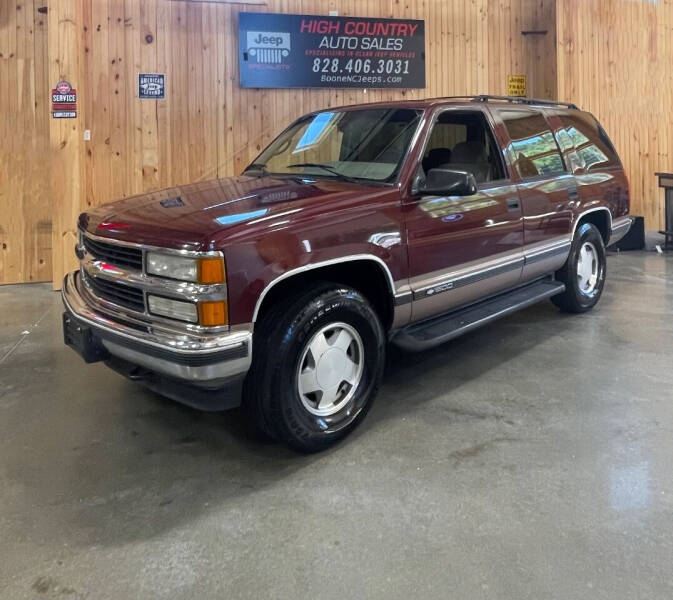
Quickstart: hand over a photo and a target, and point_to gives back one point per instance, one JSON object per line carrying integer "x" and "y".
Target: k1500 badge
{"x": 438, "y": 289}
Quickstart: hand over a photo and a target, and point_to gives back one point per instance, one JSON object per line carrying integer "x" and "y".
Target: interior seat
{"x": 471, "y": 156}
{"x": 437, "y": 158}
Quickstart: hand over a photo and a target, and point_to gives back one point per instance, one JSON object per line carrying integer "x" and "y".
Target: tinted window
{"x": 592, "y": 144}
{"x": 462, "y": 141}
{"x": 533, "y": 148}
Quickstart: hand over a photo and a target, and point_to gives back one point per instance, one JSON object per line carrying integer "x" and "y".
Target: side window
{"x": 570, "y": 157}
{"x": 533, "y": 147}
{"x": 592, "y": 144}
{"x": 463, "y": 141}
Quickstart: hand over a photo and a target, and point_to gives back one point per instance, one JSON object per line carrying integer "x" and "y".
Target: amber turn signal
{"x": 212, "y": 314}
{"x": 211, "y": 270}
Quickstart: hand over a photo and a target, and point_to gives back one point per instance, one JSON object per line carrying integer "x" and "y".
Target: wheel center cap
{"x": 330, "y": 368}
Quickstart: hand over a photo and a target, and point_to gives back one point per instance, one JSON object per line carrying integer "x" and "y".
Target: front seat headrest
{"x": 472, "y": 152}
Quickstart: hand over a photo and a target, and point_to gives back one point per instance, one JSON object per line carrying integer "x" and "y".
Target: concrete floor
{"x": 532, "y": 459}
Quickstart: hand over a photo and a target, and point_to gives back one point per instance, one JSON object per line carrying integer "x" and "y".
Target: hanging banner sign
{"x": 63, "y": 101}
{"x": 283, "y": 51}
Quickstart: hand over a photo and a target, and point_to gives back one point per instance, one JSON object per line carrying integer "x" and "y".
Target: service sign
{"x": 283, "y": 51}
{"x": 63, "y": 101}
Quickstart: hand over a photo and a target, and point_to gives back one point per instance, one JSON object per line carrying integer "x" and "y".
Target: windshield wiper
{"x": 327, "y": 168}
{"x": 261, "y": 167}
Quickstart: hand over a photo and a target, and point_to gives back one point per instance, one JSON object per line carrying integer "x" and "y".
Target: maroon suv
{"x": 404, "y": 222}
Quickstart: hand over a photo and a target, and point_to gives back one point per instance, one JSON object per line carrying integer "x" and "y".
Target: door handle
{"x": 512, "y": 204}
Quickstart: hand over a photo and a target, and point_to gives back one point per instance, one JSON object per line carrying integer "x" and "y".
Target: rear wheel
{"x": 584, "y": 271}
{"x": 317, "y": 362}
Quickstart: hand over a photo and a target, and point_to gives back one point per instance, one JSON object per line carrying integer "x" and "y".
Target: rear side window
{"x": 533, "y": 148}
{"x": 592, "y": 144}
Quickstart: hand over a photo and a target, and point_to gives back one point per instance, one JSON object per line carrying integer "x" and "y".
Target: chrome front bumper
{"x": 199, "y": 359}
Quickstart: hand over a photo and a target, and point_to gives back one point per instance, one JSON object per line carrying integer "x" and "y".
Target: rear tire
{"x": 318, "y": 360}
{"x": 584, "y": 271}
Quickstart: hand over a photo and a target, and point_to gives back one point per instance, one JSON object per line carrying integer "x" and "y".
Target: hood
{"x": 189, "y": 216}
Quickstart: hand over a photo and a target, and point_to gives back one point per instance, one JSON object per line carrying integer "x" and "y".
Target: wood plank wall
{"x": 208, "y": 126}
{"x": 25, "y": 204}
{"x": 67, "y": 53}
{"x": 615, "y": 59}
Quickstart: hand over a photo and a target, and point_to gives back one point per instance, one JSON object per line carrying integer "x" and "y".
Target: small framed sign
{"x": 151, "y": 86}
{"x": 64, "y": 101}
{"x": 516, "y": 85}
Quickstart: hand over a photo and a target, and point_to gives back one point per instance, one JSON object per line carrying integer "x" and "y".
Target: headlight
{"x": 184, "y": 268}
{"x": 171, "y": 265}
{"x": 208, "y": 314}
{"x": 175, "y": 309}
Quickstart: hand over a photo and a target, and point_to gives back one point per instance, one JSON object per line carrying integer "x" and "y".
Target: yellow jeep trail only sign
{"x": 516, "y": 85}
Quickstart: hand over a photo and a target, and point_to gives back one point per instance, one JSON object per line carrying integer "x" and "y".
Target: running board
{"x": 421, "y": 336}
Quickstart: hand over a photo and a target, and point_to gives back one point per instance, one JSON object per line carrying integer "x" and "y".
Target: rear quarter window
{"x": 592, "y": 144}
{"x": 533, "y": 149}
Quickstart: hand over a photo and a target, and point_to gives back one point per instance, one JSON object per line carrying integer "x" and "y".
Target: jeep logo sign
{"x": 261, "y": 40}
{"x": 268, "y": 46}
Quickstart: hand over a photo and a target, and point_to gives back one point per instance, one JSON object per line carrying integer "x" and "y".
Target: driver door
{"x": 463, "y": 248}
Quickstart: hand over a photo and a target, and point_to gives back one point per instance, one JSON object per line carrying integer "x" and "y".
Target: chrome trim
{"x": 145, "y": 319}
{"x": 178, "y": 343}
{"x": 622, "y": 222}
{"x": 150, "y": 284}
{"x": 161, "y": 286}
{"x": 462, "y": 276}
{"x": 547, "y": 251}
{"x": 150, "y": 248}
{"x": 458, "y": 272}
{"x": 586, "y": 212}
{"x": 325, "y": 263}
{"x": 619, "y": 229}
{"x": 174, "y": 340}
{"x": 204, "y": 374}
{"x": 453, "y": 282}
{"x": 403, "y": 298}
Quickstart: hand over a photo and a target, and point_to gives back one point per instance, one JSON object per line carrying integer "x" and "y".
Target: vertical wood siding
{"x": 615, "y": 59}
{"x": 207, "y": 126}
{"x": 25, "y": 202}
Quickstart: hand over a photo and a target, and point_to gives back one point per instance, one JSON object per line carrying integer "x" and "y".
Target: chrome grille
{"x": 120, "y": 256}
{"x": 117, "y": 293}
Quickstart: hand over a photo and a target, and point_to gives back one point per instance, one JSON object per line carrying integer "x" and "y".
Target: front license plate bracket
{"x": 81, "y": 339}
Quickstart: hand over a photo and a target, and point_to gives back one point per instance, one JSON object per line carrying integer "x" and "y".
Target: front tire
{"x": 318, "y": 360}
{"x": 584, "y": 271}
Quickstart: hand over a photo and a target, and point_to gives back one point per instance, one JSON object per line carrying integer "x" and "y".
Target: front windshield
{"x": 367, "y": 144}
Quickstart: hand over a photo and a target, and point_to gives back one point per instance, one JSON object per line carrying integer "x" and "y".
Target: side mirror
{"x": 447, "y": 182}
